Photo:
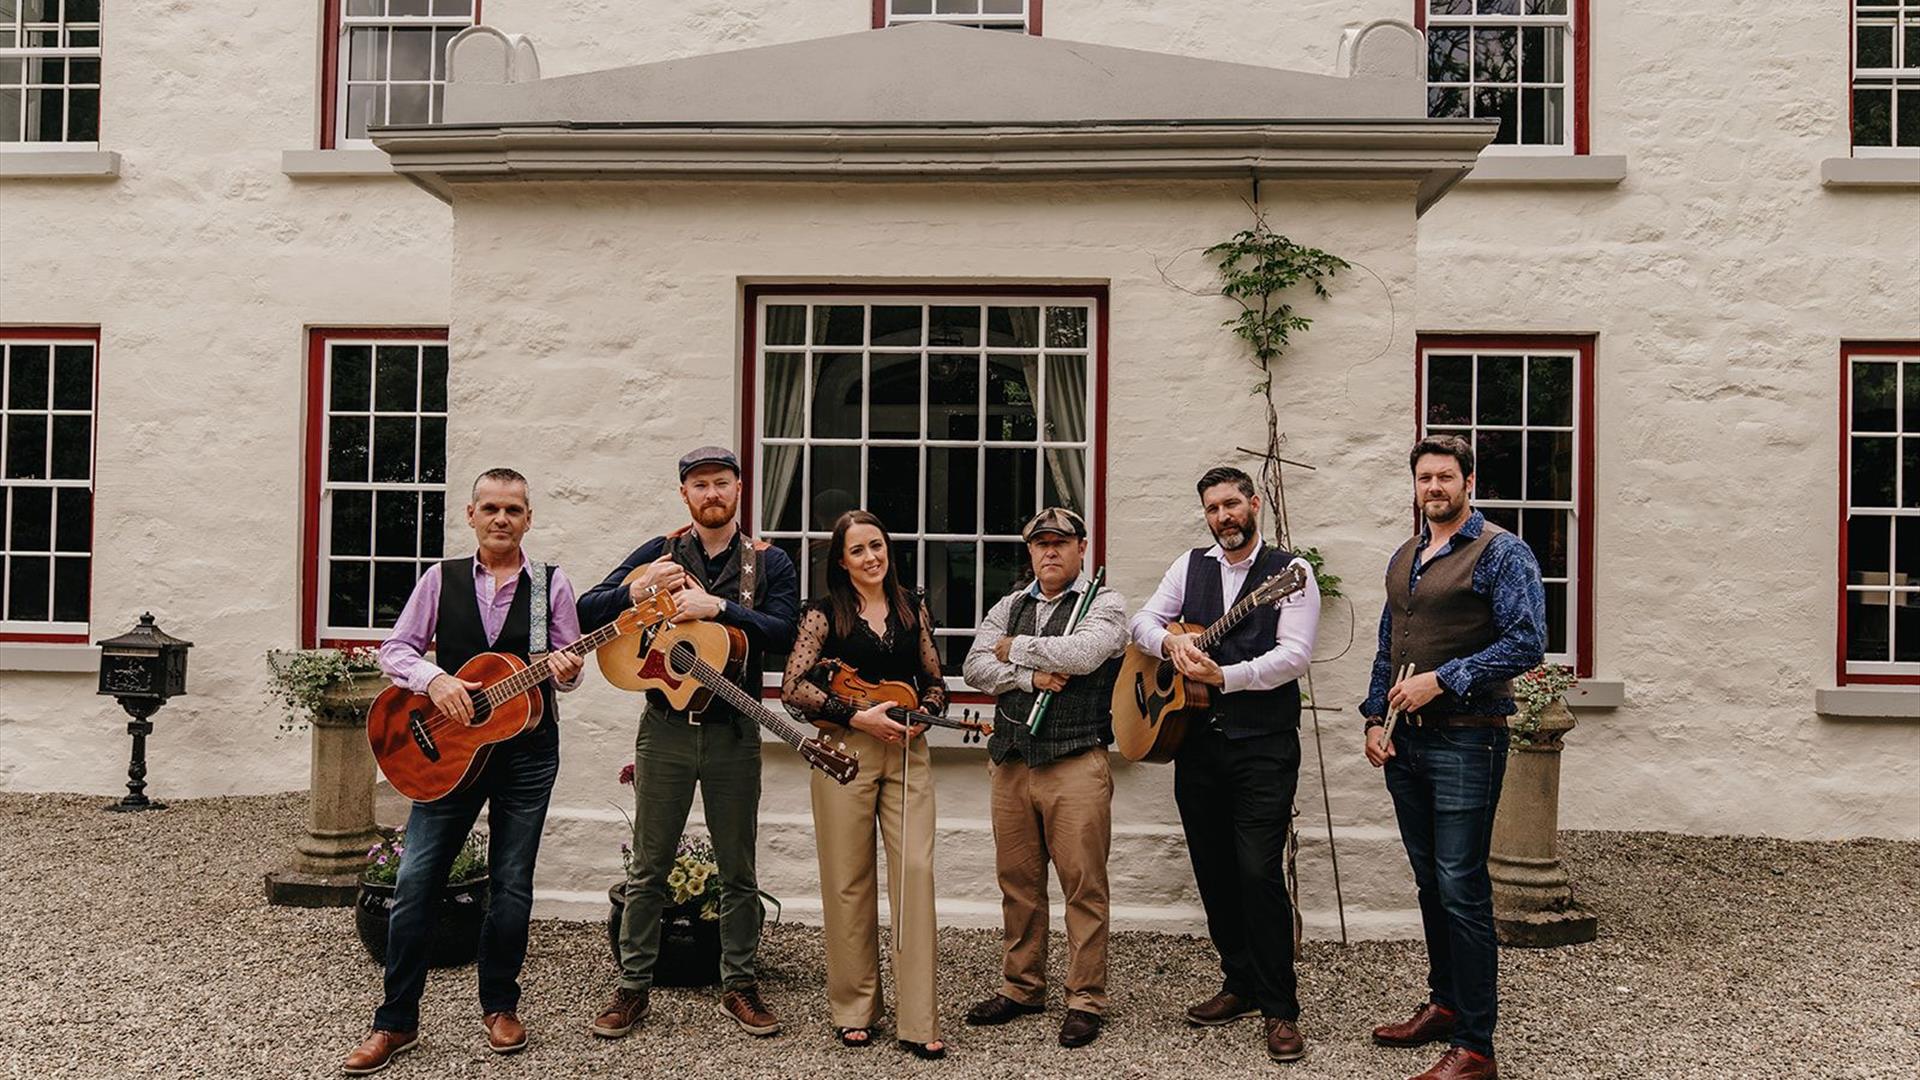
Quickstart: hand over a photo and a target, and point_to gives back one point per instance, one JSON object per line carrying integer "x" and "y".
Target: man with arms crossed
{"x": 1466, "y": 609}
{"x": 1235, "y": 774}
{"x": 484, "y": 602}
{"x": 1052, "y": 791}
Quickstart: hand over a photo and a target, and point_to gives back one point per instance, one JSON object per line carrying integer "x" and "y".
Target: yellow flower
{"x": 677, "y": 879}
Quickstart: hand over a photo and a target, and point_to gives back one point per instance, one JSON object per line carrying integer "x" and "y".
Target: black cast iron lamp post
{"x": 141, "y": 669}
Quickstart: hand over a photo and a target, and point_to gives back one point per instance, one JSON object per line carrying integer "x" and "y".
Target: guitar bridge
{"x": 417, "y": 727}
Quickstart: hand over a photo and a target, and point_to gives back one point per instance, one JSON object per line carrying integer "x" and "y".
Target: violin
{"x": 844, "y": 684}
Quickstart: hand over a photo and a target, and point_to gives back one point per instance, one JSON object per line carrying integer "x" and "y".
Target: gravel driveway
{"x": 141, "y": 946}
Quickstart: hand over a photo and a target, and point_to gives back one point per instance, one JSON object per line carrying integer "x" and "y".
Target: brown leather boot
{"x": 1460, "y": 1063}
{"x": 377, "y": 1050}
{"x": 1222, "y": 1008}
{"x": 505, "y": 1033}
{"x": 1429, "y": 1023}
{"x": 618, "y": 1016}
{"x": 1079, "y": 1027}
{"x": 1283, "y": 1040}
{"x": 743, "y": 1006}
{"x": 1000, "y": 1009}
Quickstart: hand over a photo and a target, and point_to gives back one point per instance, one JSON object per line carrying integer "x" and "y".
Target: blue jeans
{"x": 516, "y": 785}
{"x": 1445, "y": 784}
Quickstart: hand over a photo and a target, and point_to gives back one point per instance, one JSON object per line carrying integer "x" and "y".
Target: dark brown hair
{"x": 1224, "y": 474}
{"x": 1452, "y": 446}
{"x": 843, "y": 600}
{"x": 504, "y": 476}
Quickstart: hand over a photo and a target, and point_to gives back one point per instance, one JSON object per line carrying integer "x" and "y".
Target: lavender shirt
{"x": 400, "y": 655}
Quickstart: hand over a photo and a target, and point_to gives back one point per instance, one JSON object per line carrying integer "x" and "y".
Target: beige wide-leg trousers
{"x": 1060, "y": 812}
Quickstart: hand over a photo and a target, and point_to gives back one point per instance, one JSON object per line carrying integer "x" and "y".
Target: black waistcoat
{"x": 1249, "y": 712}
{"x": 1080, "y": 717}
{"x": 459, "y": 635}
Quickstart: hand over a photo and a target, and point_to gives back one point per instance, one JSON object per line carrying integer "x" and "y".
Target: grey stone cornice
{"x": 1433, "y": 154}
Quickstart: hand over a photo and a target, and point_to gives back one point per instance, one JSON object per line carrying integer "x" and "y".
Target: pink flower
{"x": 626, "y": 773}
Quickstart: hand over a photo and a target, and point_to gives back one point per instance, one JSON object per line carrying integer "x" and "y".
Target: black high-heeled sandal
{"x": 925, "y": 1051}
{"x": 847, "y": 1036}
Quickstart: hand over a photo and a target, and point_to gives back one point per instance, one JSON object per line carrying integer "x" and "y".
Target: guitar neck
{"x": 542, "y": 669}
{"x": 724, "y": 688}
{"x": 1227, "y": 622}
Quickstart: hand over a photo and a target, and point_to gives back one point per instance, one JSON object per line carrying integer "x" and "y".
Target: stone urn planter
{"x": 689, "y": 944}
{"x": 326, "y": 864}
{"x": 1533, "y": 904}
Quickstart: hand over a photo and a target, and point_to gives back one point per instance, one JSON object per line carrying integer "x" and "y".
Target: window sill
{"x": 1870, "y": 172}
{"x": 68, "y": 656}
{"x": 59, "y": 165}
{"x": 1597, "y": 694}
{"x": 1529, "y": 170}
{"x": 335, "y": 164}
{"x": 1877, "y": 702}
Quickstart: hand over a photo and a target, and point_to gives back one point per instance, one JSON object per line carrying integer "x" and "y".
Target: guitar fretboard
{"x": 713, "y": 679}
{"x": 1225, "y": 623}
{"x": 542, "y": 669}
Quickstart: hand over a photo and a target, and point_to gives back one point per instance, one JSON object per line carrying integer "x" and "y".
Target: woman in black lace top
{"x": 867, "y": 622}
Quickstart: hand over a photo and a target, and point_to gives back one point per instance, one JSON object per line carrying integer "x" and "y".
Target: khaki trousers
{"x": 844, "y": 821}
{"x": 1062, "y": 810}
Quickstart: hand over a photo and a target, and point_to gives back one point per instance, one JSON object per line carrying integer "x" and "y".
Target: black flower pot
{"x": 455, "y": 938}
{"x": 689, "y": 944}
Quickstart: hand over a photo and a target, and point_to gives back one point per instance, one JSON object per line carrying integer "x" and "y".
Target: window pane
{"x": 407, "y": 7}
{"x": 785, "y": 396}
{"x": 897, "y": 324}
{"x": 1546, "y": 532}
{"x": 83, "y": 11}
{"x": 409, "y": 103}
{"x": 893, "y": 487}
{"x": 1906, "y": 555}
{"x": 953, "y": 476}
{"x": 1867, "y": 626}
{"x": 1497, "y": 7}
{"x": 912, "y": 7}
{"x": 1497, "y": 105}
{"x": 75, "y": 526}
{"x": 835, "y": 483}
{"x": 433, "y": 450}
{"x": 1449, "y": 389}
{"x": 1067, "y": 398}
{"x": 953, "y": 326}
{"x": 366, "y": 107}
{"x": 1867, "y": 548}
{"x": 1012, "y": 498}
{"x": 1546, "y": 7}
{"x": 1873, "y": 116}
{"x": 839, "y": 324}
{"x": 32, "y": 526}
{"x": 441, "y": 39}
{"x": 1872, "y": 481}
{"x": 72, "y": 583}
{"x": 1066, "y": 328}
{"x": 1497, "y": 464}
{"x": 351, "y": 378}
{"x": 786, "y": 324}
{"x": 365, "y": 7}
{"x": 27, "y": 447}
{"x": 348, "y": 584}
{"x": 1909, "y": 131}
{"x": 1006, "y": 563}
{"x": 1010, "y": 397}
{"x": 10, "y": 103}
{"x": 396, "y": 377}
{"x": 433, "y": 378}
{"x": 1507, "y": 517}
{"x": 953, "y": 396}
{"x": 1450, "y": 7}
{"x": 453, "y": 7}
{"x": 433, "y": 524}
{"x": 366, "y": 54}
{"x": 27, "y": 369}
{"x": 1534, "y": 128}
{"x": 83, "y": 115}
{"x": 1494, "y": 54}
{"x": 27, "y": 579}
{"x": 1013, "y": 327}
{"x": 72, "y": 447}
{"x": 393, "y": 449}
{"x": 1499, "y": 385}
{"x": 1447, "y": 102}
{"x": 1873, "y": 390}
{"x": 1550, "y": 465}
{"x": 1910, "y": 472}
{"x": 1906, "y": 627}
{"x": 1556, "y": 617}
{"x": 392, "y": 584}
{"x": 951, "y": 570}
{"x": 836, "y": 396}
{"x": 396, "y": 523}
{"x": 1066, "y": 480}
{"x": 351, "y": 530}
{"x": 780, "y": 510}
{"x": 1875, "y": 46}
{"x": 1550, "y": 390}
{"x": 894, "y": 410}
{"x": 73, "y": 377}
{"x": 348, "y": 438}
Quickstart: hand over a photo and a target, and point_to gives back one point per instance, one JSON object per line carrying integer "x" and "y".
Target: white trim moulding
{"x": 59, "y": 165}
{"x": 335, "y": 164}
{"x": 1562, "y": 170}
{"x": 1870, "y": 172}
{"x": 1885, "y": 702}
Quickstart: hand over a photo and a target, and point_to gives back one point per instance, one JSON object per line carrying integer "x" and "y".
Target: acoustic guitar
{"x": 427, "y": 755}
{"x": 1153, "y": 702}
{"x": 688, "y": 663}
{"x": 845, "y": 685}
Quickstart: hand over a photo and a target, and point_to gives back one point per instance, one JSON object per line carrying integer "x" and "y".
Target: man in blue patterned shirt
{"x": 1465, "y": 613}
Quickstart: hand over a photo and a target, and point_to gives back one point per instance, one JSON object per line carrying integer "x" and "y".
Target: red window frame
{"x": 313, "y": 469}
{"x": 330, "y": 70}
{"x": 1849, "y": 350}
{"x": 750, "y": 376}
{"x": 1033, "y": 16}
{"x": 1584, "y": 345}
{"x": 1582, "y": 67}
{"x": 71, "y": 333}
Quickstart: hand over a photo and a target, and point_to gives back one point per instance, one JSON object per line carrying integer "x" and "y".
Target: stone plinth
{"x": 326, "y": 865}
{"x": 1533, "y": 904}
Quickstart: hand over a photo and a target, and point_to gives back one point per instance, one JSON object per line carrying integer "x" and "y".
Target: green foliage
{"x": 383, "y": 860}
{"x": 1533, "y": 693}
{"x": 1257, "y": 265}
{"x": 1329, "y": 583}
{"x": 299, "y": 679}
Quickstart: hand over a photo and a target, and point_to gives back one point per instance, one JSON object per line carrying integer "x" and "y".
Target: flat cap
{"x": 708, "y": 455}
{"x": 1055, "y": 519}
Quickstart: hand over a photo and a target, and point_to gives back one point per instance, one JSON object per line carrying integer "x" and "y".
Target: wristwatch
{"x": 1374, "y": 722}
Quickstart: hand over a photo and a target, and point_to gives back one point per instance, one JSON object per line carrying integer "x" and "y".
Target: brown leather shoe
{"x": 1429, "y": 1023}
{"x": 1000, "y": 1009}
{"x": 377, "y": 1050}
{"x": 743, "y": 1006}
{"x": 1079, "y": 1028}
{"x": 1222, "y": 1008}
{"x": 625, "y": 1009}
{"x": 505, "y": 1033}
{"x": 1283, "y": 1040}
{"x": 1460, "y": 1063}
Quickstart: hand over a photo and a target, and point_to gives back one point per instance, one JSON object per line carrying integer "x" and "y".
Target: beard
{"x": 1236, "y": 533}
{"x": 1448, "y": 514}
{"x": 714, "y": 515}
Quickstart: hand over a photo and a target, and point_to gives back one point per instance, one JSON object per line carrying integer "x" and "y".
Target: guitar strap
{"x": 749, "y": 572}
{"x": 537, "y": 610}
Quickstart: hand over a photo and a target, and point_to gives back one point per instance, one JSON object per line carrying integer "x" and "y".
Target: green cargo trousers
{"x": 669, "y": 756}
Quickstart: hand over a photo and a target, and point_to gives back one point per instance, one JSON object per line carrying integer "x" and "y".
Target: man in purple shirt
{"x": 486, "y": 602}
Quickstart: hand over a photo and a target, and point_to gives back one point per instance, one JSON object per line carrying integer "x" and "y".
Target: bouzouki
{"x": 843, "y": 683}
{"x": 1153, "y": 702}
{"x": 427, "y": 755}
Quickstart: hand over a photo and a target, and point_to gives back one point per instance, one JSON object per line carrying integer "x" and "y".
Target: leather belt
{"x": 1458, "y": 720}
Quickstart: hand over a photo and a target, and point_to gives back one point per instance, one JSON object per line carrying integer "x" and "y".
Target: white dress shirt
{"x": 1292, "y": 651}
